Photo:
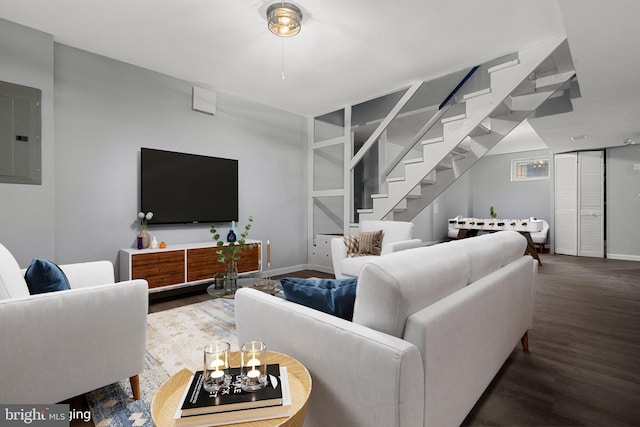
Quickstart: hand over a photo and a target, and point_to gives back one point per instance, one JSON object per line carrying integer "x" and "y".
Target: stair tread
{"x": 477, "y": 93}
{"x": 552, "y": 79}
{"x": 396, "y": 179}
{"x": 410, "y": 161}
{"x": 503, "y": 66}
{"x": 450, "y": 119}
{"x": 432, "y": 140}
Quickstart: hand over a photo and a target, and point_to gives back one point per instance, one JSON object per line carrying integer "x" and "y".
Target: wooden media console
{"x": 183, "y": 265}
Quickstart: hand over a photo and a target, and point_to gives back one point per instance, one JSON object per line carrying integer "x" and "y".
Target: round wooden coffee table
{"x": 165, "y": 402}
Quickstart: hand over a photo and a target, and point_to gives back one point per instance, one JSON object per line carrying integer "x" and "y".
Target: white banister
{"x": 385, "y": 123}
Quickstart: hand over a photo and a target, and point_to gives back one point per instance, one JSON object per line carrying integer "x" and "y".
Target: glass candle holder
{"x": 253, "y": 369}
{"x": 216, "y": 366}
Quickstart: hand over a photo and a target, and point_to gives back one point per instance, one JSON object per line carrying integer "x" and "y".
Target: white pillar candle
{"x": 253, "y": 376}
{"x": 217, "y": 375}
{"x": 268, "y": 252}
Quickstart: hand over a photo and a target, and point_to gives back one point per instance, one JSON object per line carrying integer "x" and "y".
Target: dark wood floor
{"x": 583, "y": 365}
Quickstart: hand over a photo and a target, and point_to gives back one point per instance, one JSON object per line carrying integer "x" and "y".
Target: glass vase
{"x": 231, "y": 277}
{"x": 143, "y": 239}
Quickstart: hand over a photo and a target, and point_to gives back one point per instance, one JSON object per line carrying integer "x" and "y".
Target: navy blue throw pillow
{"x": 333, "y": 296}
{"x": 44, "y": 276}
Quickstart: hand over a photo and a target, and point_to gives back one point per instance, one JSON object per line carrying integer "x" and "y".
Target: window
{"x": 530, "y": 169}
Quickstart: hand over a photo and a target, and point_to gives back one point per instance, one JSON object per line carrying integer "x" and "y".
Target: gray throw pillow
{"x": 370, "y": 242}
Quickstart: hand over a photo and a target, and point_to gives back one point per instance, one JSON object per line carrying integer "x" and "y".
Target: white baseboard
{"x": 624, "y": 257}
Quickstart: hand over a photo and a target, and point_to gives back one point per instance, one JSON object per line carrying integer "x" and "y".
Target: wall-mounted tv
{"x": 182, "y": 188}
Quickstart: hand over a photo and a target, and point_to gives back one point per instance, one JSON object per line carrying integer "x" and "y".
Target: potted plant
{"x": 493, "y": 213}
{"x": 231, "y": 253}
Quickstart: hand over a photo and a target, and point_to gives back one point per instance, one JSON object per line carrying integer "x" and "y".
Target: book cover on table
{"x": 229, "y": 416}
{"x": 199, "y": 401}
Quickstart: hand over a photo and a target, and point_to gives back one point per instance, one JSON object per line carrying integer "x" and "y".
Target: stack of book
{"x": 230, "y": 405}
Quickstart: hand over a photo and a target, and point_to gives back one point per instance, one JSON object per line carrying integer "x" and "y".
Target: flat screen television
{"x": 182, "y": 188}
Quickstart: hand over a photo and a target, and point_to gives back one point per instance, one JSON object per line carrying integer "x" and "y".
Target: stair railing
{"x": 385, "y": 123}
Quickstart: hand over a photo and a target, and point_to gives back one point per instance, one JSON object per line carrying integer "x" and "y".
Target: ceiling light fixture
{"x": 284, "y": 19}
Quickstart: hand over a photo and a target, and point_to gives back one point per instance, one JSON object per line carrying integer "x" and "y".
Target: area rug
{"x": 175, "y": 340}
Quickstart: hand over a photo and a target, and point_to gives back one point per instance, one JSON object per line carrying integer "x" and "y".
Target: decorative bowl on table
{"x": 266, "y": 285}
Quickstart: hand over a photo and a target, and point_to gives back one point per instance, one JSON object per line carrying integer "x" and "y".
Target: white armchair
{"x": 540, "y": 237}
{"x": 397, "y": 236}
{"x": 61, "y": 344}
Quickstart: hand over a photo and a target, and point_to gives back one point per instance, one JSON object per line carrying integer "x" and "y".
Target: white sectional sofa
{"x": 431, "y": 328}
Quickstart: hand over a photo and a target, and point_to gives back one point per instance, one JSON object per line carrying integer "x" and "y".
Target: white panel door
{"x": 566, "y": 201}
{"x": 591, "y": 204}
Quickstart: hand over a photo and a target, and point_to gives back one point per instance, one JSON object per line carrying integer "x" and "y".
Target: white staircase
{"x": 469, "y": 129}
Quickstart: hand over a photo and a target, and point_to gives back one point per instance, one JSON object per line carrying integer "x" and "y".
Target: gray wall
{"x": 491, "y": 185}
{"x": 27, "y": 211}
{"x": 105, "y": 111}
{"x": 623, "y": 203}
{"x": 488, "y": 183}
{"x": 431, "y": 225}
{"x": 453, "y": 202}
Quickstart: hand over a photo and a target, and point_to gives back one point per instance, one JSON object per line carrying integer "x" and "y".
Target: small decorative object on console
{"x": 143, "y": 236}
{"x": 231, "y": 236}
{"x": 230, "y": 254}
{"x": 219, "y": 284}
{"x": 267, "y": 285}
